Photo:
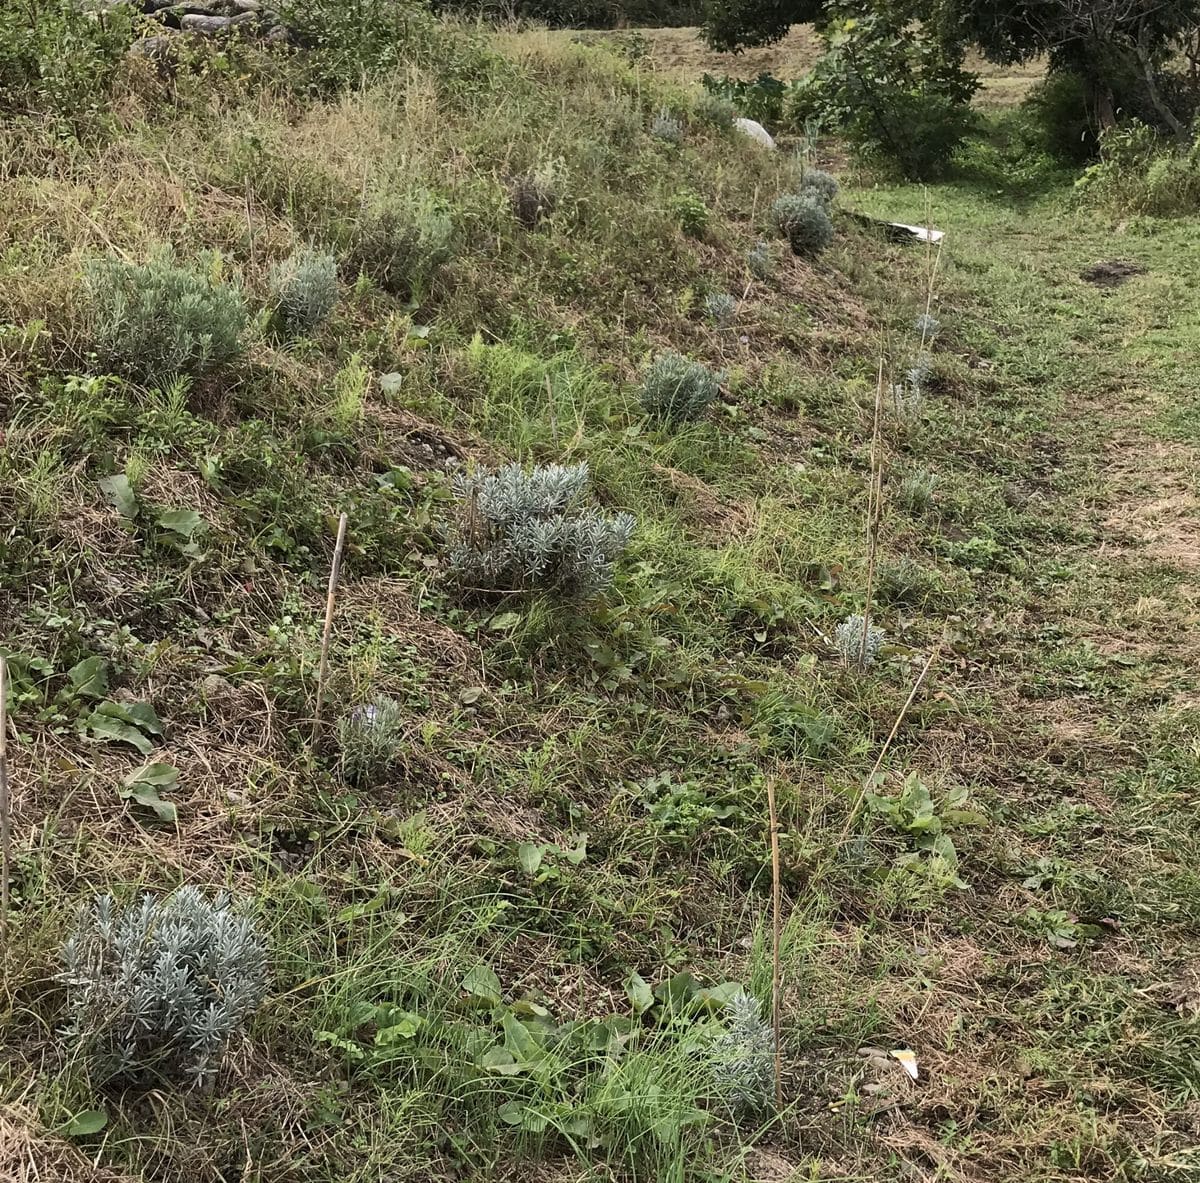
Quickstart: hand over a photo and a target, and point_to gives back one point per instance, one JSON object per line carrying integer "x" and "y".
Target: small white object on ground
{"x": 755, "y": 131}
{"x": 922, "y": 233}
{"x": 908, "y": 1061}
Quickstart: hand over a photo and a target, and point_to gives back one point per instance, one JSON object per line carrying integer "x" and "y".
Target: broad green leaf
{"x": 504, "y": 621}
{"x": 391, "y": 383}
{"x": 147, "y": 795}
{"x": 366, "y": 907}
{"x": 640, "y": 996}
{"x": 500, "y": 1061}
{"x": 120, "y": 495}
{"x": 677, "y": 991}
{"x": 481, "y": 982}
{"x": 163, "y": 776}
{"x": 89, "y": 1121}
{"x": 184, "y": 522}
{"x": 399, "y": 1032}
{"x": 529, "y": 855}
{"x": 104, "y": 726}
{"x": 716, "y": 997}
{"x": 90, "y": 677}
{"x": 143, "y": 715}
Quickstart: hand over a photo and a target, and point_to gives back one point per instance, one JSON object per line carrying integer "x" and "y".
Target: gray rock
{"x": 247, "y": 5}
{"x": 210, "y": 26}
{"x": 279, "y": 35}
{"x": 155, "y": 49}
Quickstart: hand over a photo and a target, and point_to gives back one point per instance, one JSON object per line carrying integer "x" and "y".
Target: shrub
{"x": 1059, "y": 118}
{"x": 743, "y": 1058}
{"x": 369, "y": 738}
{"x": 157, "y": 320}
{"x": 692, "y": 214}
{"x": 803, "y": 219}
{"x": 665, "y": 126}
{"x": 160, "y": 987}
{"x": 818, "y": 181}
{"x": 677, "y": 390}
{"x": 304, "y": 288}
{"x": 908, "y": 399}
{"x": 761, "y": 261}
{"x": 720, "y": 307}
{"x": 716, "y": 110}
{"x": 850, "y": 644}
{"x": 521, "y": 530}
{"x": 918, "y": 374}
{"x": 60, "y": 58}
{"x": 896, "y": 91}
{"x": 400, "y": 241}
{"x": 762, "y": 99}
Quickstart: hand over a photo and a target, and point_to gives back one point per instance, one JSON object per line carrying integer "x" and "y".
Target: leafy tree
{"x": 732, "y": 25}
{"x": 1116, "y": 46}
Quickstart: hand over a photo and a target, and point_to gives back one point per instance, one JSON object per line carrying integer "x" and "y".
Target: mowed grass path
{"x": 1055, "y": 1016}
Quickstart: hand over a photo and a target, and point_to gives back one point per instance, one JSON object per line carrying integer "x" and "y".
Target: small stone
{"x": 247, "y": 5}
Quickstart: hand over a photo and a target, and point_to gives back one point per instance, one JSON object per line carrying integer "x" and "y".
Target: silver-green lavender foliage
{"x": 743, "y": 1057}
{"x": 804, "y": 220}
{"x": 368, "y": 739}
{"x": 521, "y": 530}
{"x": 920, "y": 371}
{"x": 159, "y": 987}
{"x": 761, "y": 261}
{"x": 304, "y": 288}
{"x": 916, "y": 489}
{"x": 666, "y": 127}
{"x": 720, "y": 307}
{"x": 715, "y": 110}
{"x": 849, "y": 641}
{"x": 818, "y": 181}
{"x": 907, "y": 401}
{"x": 677, "y": 390}
{"x": 400, "y": 241}
{"x": 155, "y": 321}
{"x": 927, "y": 327}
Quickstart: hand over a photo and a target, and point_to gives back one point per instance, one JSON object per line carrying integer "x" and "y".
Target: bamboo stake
{"x": 874, "y": 499}
{"x": 776, "y": 931}
{"x": 5, "y": 807}
{"x": 335, "y": 571}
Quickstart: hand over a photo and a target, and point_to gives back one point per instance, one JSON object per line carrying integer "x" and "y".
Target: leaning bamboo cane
{"x": 5, "y": 806}
{"x": 776, "y": 931}
{"x": 331, "y": 596}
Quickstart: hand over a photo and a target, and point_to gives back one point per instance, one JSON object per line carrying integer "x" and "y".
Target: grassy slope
{"x": 1053, "y": 559}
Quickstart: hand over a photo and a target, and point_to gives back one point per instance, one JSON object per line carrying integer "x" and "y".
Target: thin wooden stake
{"x": 335, "y": 571}
{"x": 874, "y": 498}
{"x": 553, "y": 411}
{"x": 5, "y": 807}
{"x": 776, "y": 935}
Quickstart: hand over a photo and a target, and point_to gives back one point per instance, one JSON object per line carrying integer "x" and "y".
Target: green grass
{"x": 578, "y": 794}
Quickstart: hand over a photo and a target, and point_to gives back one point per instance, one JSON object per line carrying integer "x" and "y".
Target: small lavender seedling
{"x": 666, "y": 127}
{"x": 849, "y": 641}
{"x": 677, "y": 390}
{"x": 715, "y": 110}
{"x": 927, "y": 327}
{"x": 916, "y": 489}
{"x": 742, "y": 1058}
{"x": 368, "y": 738}
{"x": 907, "y": 401}
{"x": 304, "y": 287}
{"x": 761, "y": 261}
{"x": 160, "y": 987}
{"x": 921, "y": 370}
{"x": 720, "y": 307}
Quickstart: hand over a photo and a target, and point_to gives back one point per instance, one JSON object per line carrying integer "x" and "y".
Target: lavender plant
{"x": 761, "y": 261}
{"x": 742, "y": 1058}
{"x": 304, "y": 287}
{"x": 676, "y": 390}
{"x": 666, "y": 127}
{"x": 803, "y": 219}
{"x": 720, "y": 307}
{"x": 927, "y": 327}
{"x": 854, "y": 653}
{"x": 520, "y": 530}
{"x": 818, "y": 181}
{"x": 368, "y": 739}
{"x": 160, "y": 987}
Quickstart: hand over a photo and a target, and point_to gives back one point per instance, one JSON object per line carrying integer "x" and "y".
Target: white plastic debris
{"x": 921, "y": 233}
{"x": 908, "y": 1061}
{"x": 755, "y": 131}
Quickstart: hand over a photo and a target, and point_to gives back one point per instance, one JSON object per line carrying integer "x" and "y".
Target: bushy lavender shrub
{"x": 849, "y": 640}
{"x": 676, "y": 389}
{"x": 304, "y": 287}
{"x": 159, "y": 987}
{"x": 520, "y": 530}
{"x": 743, "y": 1057}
